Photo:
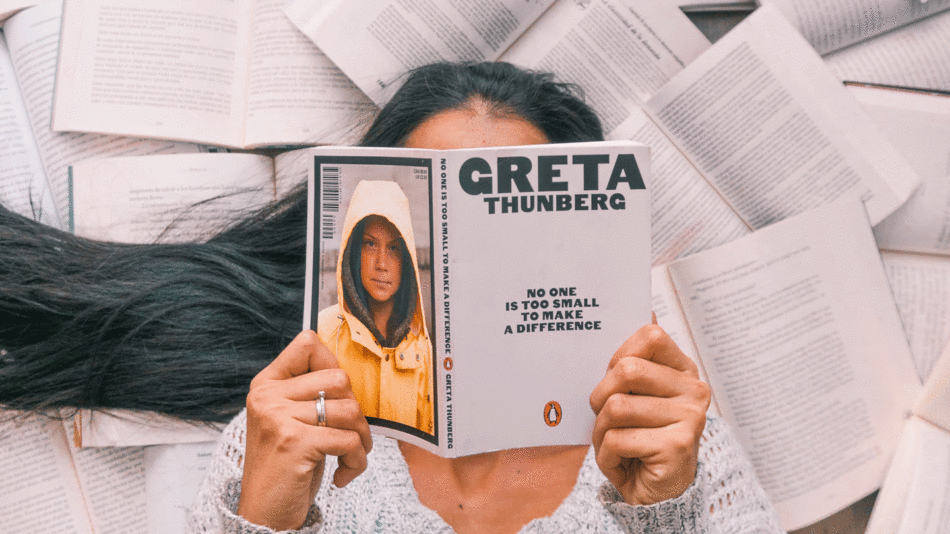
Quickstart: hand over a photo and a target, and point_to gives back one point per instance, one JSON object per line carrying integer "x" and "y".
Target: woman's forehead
{"x": 471, "y": 127}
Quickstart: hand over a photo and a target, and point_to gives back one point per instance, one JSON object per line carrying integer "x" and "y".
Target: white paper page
{"x": 688, "y": 216}
{"x": 933, "y": 403}
{"x": 620, "y": 52}
{"x": 832, "y": 24}
{"x": 804, "y": 349}
{"x": 296, "y": 95}
{"x": 927, "y": 510}
{"x": 173, "y": 71}
{"x": 290, "y": 170}
{"x": 11, "y": 7}
{"x": 762, "y": 118}
{"x": 918, "y": 124}
{"x": 113, "y": 482}
{"x": 670, "y": 317}
{"x": 913, "y": 56}
{"x": 39, "y": 491}
{"x": 375, "y": 42}
{"x": 23, "y": 186}
{"x": 921, "y": 287}
{"x": 891, "y": 499}
{"x": 173, "y": 474}
{"x": 125, "y": 428}
{"x": 168, "y": 198}
{"x": 500, "y": 298}
{"x": 33, "y": 38}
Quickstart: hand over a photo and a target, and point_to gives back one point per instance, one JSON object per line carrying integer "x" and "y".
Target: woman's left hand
{"x": 651, "y": 411}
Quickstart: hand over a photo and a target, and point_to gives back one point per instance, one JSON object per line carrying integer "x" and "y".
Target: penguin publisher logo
{"x": 552, "y": 413}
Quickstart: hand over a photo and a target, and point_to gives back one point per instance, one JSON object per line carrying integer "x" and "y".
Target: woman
{"x": 181, "y": 329}
{"x": 656, "y": 465}
{"x": 377, "y": 331}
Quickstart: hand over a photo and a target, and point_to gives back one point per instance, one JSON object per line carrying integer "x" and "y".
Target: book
{"x": 913, "y": 56}
{"x": 227, "y": 73}
{"x": 175, "y": 197}
{"x": 12, "y": 7}
{"x": 915, "y": 496}
{"x": 831, "y": 25}
{"x": 533, "y": 267}
{"x": 48, "y": 484}
{"x": 34, "y": 160}
{"x": 801, "y": 342}
{"x": 892, "y": 42}
{"x": 915, "y": 239}
{"x": 367, "y": 39}
{"x": 725, "y": 159}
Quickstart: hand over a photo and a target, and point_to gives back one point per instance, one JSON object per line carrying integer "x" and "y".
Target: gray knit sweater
{"x": 724, "y": 497}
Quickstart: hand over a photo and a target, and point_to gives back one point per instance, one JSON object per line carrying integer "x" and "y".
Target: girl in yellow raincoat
{"x": 377, "y": 330}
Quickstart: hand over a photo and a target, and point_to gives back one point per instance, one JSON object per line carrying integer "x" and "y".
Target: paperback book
{"x": 528, "y": 267}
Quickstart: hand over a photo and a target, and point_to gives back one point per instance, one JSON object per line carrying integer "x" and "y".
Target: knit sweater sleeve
{"x": 725, "y": 496}
{"x": 215, "y": 506}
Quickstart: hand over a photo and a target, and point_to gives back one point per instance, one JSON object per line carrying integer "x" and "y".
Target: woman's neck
{"x": 499, "y": 491}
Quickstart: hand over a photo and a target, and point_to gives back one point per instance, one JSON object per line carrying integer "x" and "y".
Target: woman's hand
{"x": 285, "y": 451}
{"x": 651, "y": 411}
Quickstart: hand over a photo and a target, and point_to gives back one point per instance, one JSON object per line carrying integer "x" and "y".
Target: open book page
{"x": 168, "y": 198}
{"x": 296, "y": 95}
{"x": 113, "y": 485}
{"x": 912, "y": 56}
{"x": 11, "y": 7}
{"x": 619, "y": 51}
{"x": 669, "y": 315}
{"x": 832, "y": 24}
{"x": 933, "y": 404}
{"x": 764, "y": 120}
{"x": 921, "y": 287}
{"x": 23, "y": 186}
{"x": 688, "y": 216}
{"x": 290, "y": 170}
{"x": 39, "y": 488}
{"x": 126, "y": 428}
{"x": 915, "y": 497}
{"x": 375, "y": 42}
{"x": 918, "y": 124}
{"x": 33, "y": 38}
{"x": 175, "y": 71}
{"x": 173, "y": 476}
{"x": 805, "y": 353}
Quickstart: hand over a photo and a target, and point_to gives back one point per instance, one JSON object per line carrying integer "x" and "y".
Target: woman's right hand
{"x": 285, "y": 449}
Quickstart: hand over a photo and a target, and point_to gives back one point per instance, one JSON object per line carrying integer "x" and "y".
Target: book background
{"x": 853, "y": 519}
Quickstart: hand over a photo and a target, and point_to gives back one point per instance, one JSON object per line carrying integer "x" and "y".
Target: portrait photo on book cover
{"x": 374, "y": 292}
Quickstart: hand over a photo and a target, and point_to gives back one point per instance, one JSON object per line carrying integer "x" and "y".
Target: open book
{"x": 915, "y": 239}
{"x": 895, "y": 42}
{"x": 802, "y": 344}
{"x": 47, "y": 484}
{"x": 223, "y": 72}
{"x": 755, "y": 130}
{"x": 175, "y": 197}
{"x": 915, "y": 497}
{"x": 34, "y": 159}
{"x": 376, "y": 42}
{"x": 532, "y": 266}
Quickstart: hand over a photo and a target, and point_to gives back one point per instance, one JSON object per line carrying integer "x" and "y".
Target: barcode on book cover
{"x": 330, "y": 200}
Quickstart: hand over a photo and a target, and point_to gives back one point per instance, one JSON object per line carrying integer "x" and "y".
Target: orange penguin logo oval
{"x": 552, "y": 413}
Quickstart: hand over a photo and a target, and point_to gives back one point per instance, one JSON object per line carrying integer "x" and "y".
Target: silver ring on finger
{"x": 322, "y": 409}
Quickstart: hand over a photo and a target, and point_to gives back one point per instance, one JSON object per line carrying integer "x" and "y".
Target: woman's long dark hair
{"x": 182, "y": 328}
